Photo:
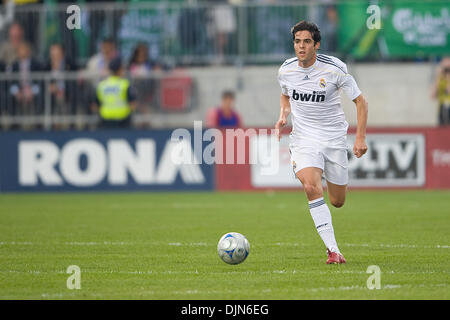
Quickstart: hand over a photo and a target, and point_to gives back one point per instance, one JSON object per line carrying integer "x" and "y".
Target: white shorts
{"x": 331, "y": 158}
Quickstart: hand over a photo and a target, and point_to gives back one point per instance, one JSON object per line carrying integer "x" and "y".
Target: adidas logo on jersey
{"x": 316, "y": 96}
{"x": 306, "y": 77}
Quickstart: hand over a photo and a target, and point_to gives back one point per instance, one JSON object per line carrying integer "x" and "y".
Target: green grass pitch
{"x": 163, "y": 246}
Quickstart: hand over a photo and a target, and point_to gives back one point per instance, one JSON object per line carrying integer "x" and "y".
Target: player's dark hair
{"x": 228, "y": 94}
{"x": 59, "y": 45}
{"x": 307, "y": 26}
{"x": 109, "y": 40}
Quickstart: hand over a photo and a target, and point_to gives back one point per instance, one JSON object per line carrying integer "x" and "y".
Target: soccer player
{"x": 310, "y": 85}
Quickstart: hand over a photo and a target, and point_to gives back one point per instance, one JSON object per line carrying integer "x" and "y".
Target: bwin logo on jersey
{"x": 316, "y": 96}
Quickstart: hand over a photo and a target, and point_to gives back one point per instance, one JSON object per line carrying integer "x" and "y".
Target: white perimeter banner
{"x": 392, "y": 160}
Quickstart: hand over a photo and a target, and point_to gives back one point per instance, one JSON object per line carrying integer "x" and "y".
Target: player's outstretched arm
{"x": 362, "y": 108}
{"x": 285, "y": 109}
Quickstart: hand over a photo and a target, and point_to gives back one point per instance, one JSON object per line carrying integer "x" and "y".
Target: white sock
{"x": 322, "y": 219}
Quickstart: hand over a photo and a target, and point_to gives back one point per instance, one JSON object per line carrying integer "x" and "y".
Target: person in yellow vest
{"x": 115, "y": 99}
{"x": 441, "y": 91}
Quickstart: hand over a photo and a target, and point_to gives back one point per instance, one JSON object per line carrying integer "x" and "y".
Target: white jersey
{"x": 314, "y": 97}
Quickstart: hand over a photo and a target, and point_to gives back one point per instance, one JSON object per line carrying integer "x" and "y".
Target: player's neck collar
{"x": 310, "y": 67}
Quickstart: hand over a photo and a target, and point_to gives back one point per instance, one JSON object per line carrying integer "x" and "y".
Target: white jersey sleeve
{"x": 348, "y": 84}
{"x": 281, "y": 79}
{"x": 284, "y": 88}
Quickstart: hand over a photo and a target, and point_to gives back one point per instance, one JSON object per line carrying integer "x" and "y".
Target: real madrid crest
{"x": 322, "y": 83}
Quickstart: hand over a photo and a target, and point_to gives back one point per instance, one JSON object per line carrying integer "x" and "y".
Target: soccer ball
{"x": 233, "y": 248}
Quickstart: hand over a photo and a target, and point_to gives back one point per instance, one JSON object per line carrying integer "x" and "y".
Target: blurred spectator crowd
{"x": 48, "y": 69}
{"x": 27, "y": 80}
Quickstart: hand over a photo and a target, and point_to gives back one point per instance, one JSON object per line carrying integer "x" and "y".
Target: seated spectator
{"x": 224, "y": 116}
{"x": 62, "y": 91}
{"x": 26, "y": 92}
{"x": 139, "y": 66}
{"x": 9, "y": 48}
{"x": 98, "y": 64}
{"x": 140, "y": 63}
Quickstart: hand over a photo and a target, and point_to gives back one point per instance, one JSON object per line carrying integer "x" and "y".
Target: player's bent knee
{"x": 337, "y": 203}
{"x": 312, "y": 190}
